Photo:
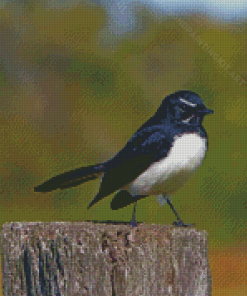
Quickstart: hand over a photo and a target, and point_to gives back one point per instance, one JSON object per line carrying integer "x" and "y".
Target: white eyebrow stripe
{"x": 188, "y": 103}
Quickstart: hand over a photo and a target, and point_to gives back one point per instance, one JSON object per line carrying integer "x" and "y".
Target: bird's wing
{"x": 144, "y": 148}
{"x": 123, "y": 198}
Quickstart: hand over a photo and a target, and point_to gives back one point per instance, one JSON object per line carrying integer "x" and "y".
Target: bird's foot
{"x": 133, "y": 222}
{"x": 181, "y": 223}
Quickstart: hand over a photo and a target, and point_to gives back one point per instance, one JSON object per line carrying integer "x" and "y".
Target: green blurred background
{"x": 72, "y": 93}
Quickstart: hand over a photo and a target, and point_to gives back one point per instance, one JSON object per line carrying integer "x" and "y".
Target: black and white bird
{"x": 157, "y": 160}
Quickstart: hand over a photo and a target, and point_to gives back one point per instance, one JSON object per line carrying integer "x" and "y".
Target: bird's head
{"x": 184, "y": 107}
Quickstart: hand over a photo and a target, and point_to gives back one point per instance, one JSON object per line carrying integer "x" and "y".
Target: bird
{"x": 160, "y": 157}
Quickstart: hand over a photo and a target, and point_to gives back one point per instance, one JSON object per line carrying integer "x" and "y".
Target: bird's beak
{"x": 207, "y": 111}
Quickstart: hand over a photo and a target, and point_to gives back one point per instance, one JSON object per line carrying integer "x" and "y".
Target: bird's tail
{"x": 72, "y": 178}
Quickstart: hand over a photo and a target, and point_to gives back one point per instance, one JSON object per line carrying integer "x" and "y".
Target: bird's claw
{"x": 181, "y": 223}
{"x": 133, "y": 222}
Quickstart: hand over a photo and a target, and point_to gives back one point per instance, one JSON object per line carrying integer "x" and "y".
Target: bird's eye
{"x": 183, "y": 107}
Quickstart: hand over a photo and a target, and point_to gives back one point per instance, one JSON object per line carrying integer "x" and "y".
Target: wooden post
{"x": 84, "y": 258}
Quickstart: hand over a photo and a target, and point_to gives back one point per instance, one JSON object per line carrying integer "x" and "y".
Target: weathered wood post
{"x": 84, "y": 258}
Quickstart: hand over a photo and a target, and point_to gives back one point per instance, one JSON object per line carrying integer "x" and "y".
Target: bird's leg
{"x": 133, "y": 222}
{"x": 179, "y": 222}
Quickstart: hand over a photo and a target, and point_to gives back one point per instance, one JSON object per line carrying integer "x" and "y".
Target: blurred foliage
{"x": 75, "y": 93}
{"x": 106, "y": 81}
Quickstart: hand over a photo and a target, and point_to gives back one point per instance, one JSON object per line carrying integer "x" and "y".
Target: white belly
{"x": 170, "y": 173}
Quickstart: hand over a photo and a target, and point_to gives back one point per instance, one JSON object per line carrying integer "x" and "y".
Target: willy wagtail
{"x": 157, "y": 160}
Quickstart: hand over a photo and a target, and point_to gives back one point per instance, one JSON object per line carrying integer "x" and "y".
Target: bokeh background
{"x": 77, "y": 78}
